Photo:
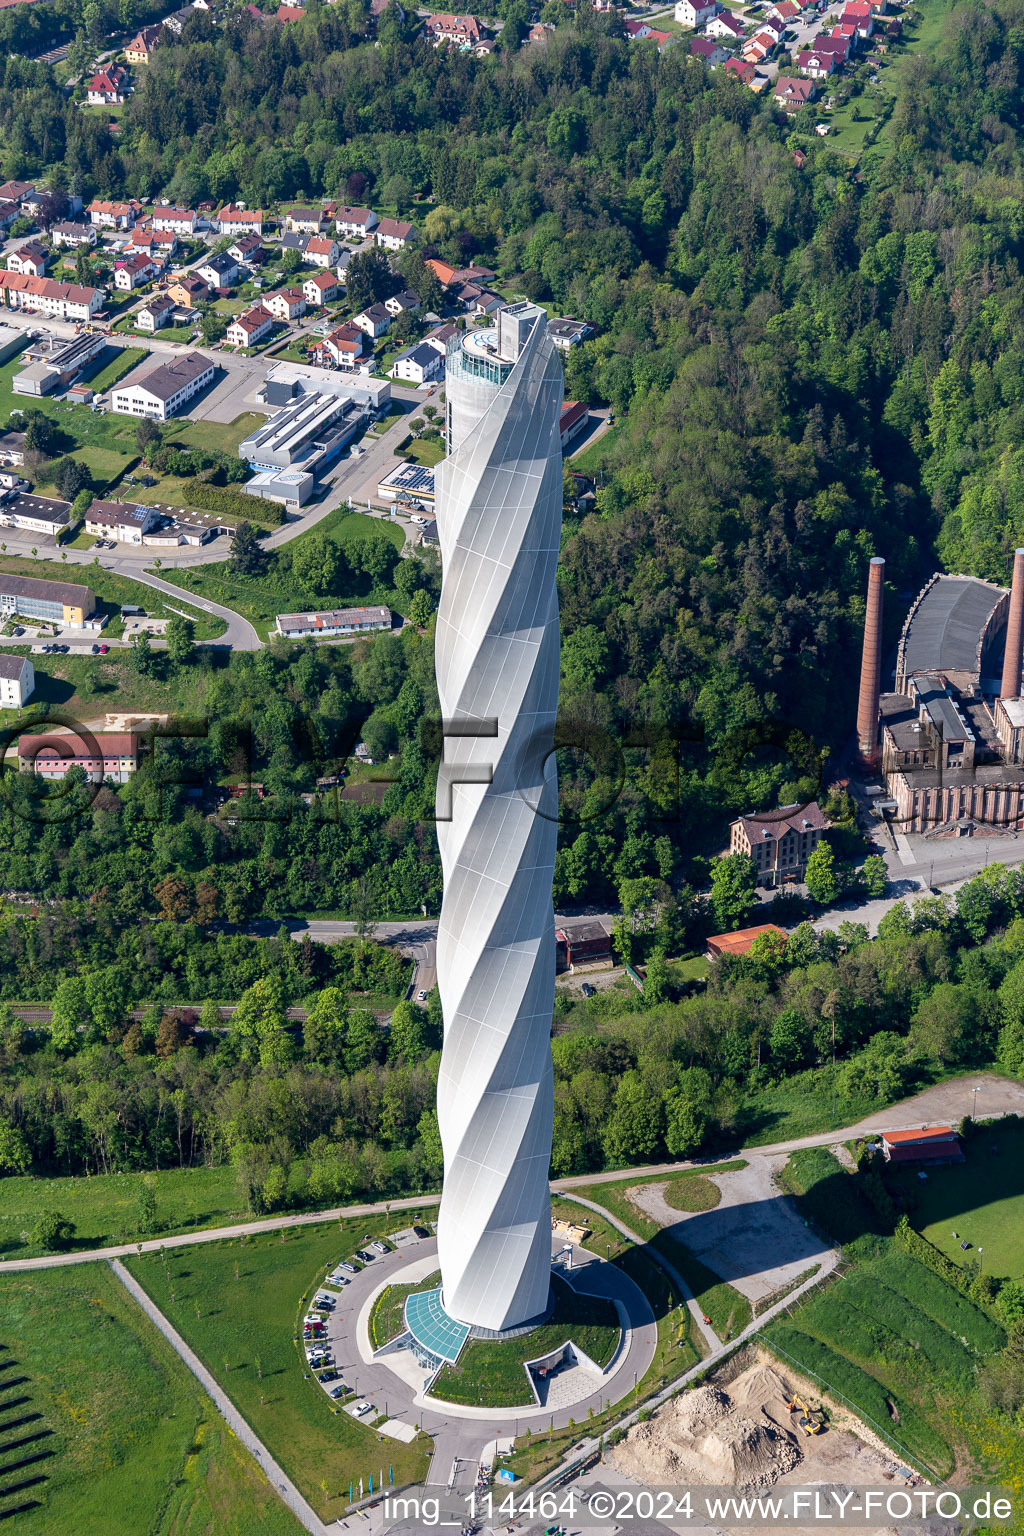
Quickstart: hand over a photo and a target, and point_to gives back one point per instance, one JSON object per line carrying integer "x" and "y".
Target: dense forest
{"x": 340, "y": 1106}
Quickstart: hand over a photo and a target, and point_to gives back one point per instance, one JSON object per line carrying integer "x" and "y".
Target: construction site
{"x": 751, "y": 1428}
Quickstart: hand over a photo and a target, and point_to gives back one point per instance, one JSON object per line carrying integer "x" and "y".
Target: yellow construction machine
{"x": 812, "y": 1420}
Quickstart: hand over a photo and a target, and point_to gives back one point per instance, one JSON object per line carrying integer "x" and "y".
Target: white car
{"x": 362, "y": 1409}
{"x": 338, "y": 1278}
{"x": 350, "y": 1269}
{"x": 381, "y": 1247}
{"x": 326, "y": 1302}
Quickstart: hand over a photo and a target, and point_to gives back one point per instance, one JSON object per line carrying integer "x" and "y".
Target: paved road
{"x": 238, "y": 1426}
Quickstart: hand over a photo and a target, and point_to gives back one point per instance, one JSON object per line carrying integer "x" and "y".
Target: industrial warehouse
{"x": 949, "y": 738}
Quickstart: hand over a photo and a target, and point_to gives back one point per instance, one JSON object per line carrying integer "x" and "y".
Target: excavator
{"x": 812, "y": 1420}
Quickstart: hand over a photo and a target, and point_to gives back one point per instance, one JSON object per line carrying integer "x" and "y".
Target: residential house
{"x": 61, "y": 301}
{"x": 694, "y": 13}
{"x": 936, "y": 1144}
{"x": 219, "y": 270}
{"x": 378, "y": 7}
{"x": 235, "y": 220}
{"x": 155, "y": 313}
{"x": 754, "y": 50}
{"x": 405, "y": 303}
{"x": 73, "y": 235}
{"x": 120, "y": 520}
{"x": 108, "y": 87}
{"x": 743, "y": 68}
{"x": 726, "y": 25}
{"x": 159, "y": 244}
{"x": 305, "y": 221}
{"x": 166, "y": 389}
{"x": 17, "y": 681}
{"x": 440, "y": 336}
{"x": 286, "y": 13}
{"x": 248, "y": 251}
{"x": 355, "y": 223}
{"x": 140, "y": 49}
{"x": 374, "y": 320}
{"x": 642, "y": 31}
{"x": 446, "y": 274}
{"x": 250, "y": 326}
{"x": 816, "y": 66}
{"x": 485, "y": 46}
{"x": 422, "y": 365}
{"x": 113, "y": 215}
{"x": 786, "y": 11}
{"x": 790, "y": 92}
{"x": 16, "y": 191}
{"x": 179, "y": 221}
{"x": 462, "y": 32}
{"x": 322, "y": 251}
{"x": 775, "y": 25}
{"x": 189, "y": 290}
{"x": 346, "y": 345}
{"x": 8, "y": 213}
{"x": 779, "y": 842}
{"x": 740, "y": 941}
{"x": 859, "y": 13}
{"x": 540, "y": 32}
{"x": 838, "y": 47}
{"x": 707, "y": 49}
{"x": 394, "y": 234}
{"x": 134, "y": 272}
{"x": 568, "y": 333}
{"x": 31, "y": 258}
{"x": 478, "y": 301}
{"x": 291, "y": 241}
{"x": 319, "y": 289}
{"x": 286, "y": 303}
{"x": 847, "y": 29}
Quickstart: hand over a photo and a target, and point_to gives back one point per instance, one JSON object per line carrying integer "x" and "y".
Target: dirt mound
{"x": 710, "y": 1436}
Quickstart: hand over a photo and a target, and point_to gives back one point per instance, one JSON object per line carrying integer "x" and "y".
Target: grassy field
{"x": 614, "y": 1196}
{"x": 87, "y": 687}
{"x": 134, "y": 1445}
{"x": 982, "y": 1199}
{"x": 491, "y": 1373}
{"x": 111, "y": 591}
{"x": 689, "y": 1194}
{"x": 113, "y": 369}
{"x": 238, "y": 1304}
{"x": 424, "y": 450}
{"x": 891, "y": 1336}
{"x": 103, "y": 1207}
{"x": 260, "y": 599}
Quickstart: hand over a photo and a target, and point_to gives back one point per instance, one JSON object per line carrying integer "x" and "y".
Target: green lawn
{"x": 690, "y": 1195}
{"x": 103, "y": 1207}
{"x": 115, "y": 368}
{"x": 594, "y": 457}
{"x": 135, "y": 1445}
{"x": 725, "y": 1307}
{"x": 425, "y": 450}
{"x": 491, "y": 1373}
{"x": 111, "y": 590}
{"x": 614, "y": 1197}
{"x": 87, "y": 687}
{"x": 981, "y": 1199}
{"x": 239, "y": 1304}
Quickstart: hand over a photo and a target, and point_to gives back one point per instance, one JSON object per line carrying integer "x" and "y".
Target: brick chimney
{"x": 871, "y": 665}
{"x": 1010, "y": 686}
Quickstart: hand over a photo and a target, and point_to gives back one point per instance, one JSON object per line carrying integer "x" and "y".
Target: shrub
{"x": 214, "y": 498}
{"x": 926, "y": 1253}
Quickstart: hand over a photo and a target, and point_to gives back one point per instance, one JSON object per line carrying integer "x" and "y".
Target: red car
{"x": 104, "y": 649}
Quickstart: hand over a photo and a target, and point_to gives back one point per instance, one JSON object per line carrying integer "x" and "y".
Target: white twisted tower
{"x": 499, "y": 513}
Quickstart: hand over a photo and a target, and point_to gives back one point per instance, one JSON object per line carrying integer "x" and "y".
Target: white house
{"x": 120, "y": 520}
{"x": 374, "y": 320}
{"x": 694, "y": 13}
{"x": 725, "y": 25}
{"x": 154, "y": 314}
{"x": 73, "y": 235}
{"x": 250, "y": 327}
{"x": 355, "y": 222}
{"x": 31, "y": 258}
{"x": 320, "y": 288}
{"x": 232, "y": 220}
{"x": 405, "y": 303}
{"x": 286, "y": 304}
{"x": 394, "y": 234}
{"x": 322, "y": 251}
{"x": 219, "y": 270}
{"x": 134, "y": 273}
{"x": 63, "y": 301}
{"x": 166, "y": 389}
{"x": 420, "y": 366}
{"x": 180, "y": 221}
{"x": 17, "y": 681}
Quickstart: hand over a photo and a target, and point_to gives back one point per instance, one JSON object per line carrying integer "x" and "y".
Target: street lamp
{"x": 974, "y": 1105}
{"x": 981, "y": 1262}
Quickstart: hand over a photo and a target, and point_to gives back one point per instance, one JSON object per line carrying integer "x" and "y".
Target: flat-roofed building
{"x": 35, "y": 514}
{"x": 284, "y": 381}
{"x": 336, "y": 621}
{"x": 54, "y": 602}
{"x": 308, "y": 433}
{"x": 105, "y": 755}
{"x": 408, "y": 482}
{"x": 124, "y": 521}
{"x": 587, "y": 943}
{"x": 17, "y": 681}
{"x": 160, "y": 393}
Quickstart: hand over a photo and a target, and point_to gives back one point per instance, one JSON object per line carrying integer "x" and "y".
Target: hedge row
{"x": 911, "y": 1432}
{"x": 947, "y": 1355}
{"x": 926, "y": 1253}
{"x": 932, "y": 1295}
{"x": 235, "y": 504}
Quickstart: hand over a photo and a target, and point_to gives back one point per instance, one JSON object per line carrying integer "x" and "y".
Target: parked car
{"x": 104, "y": 649}
{"x": 363, "y": 1256}
{"x": 380, "y": 1247}
{"x": 362, "y": 1409}
{"x": 339, "y": 1390}
{"x": 350, "y": 1269}
{"x": 421, "y": 996}
{"x": 588, "y": 990}
{"x": 95, "y": 650}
